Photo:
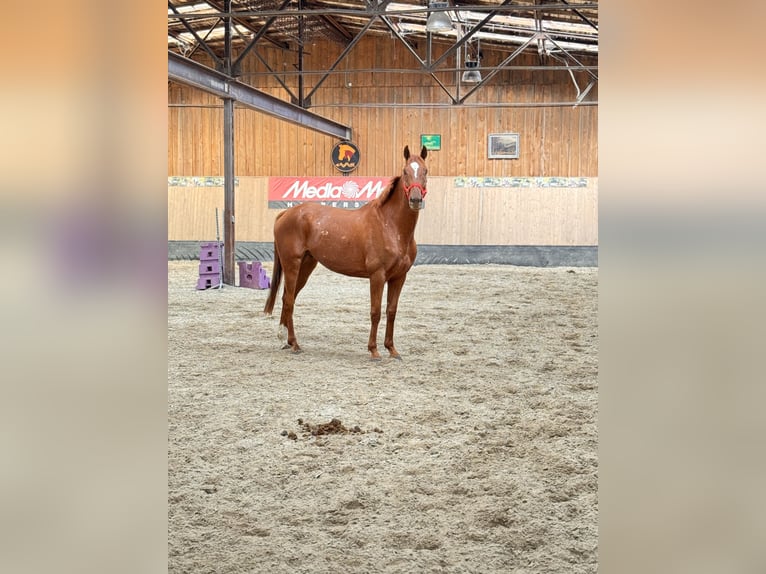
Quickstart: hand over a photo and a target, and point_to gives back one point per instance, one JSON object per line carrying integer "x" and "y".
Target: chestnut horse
{"x": 375, "y": 241}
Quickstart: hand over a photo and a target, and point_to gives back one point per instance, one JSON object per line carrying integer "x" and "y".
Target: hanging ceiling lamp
{"x": 472, "y": 75}
{"x": 438, "y": 21}
{"x": 473, "y": 54}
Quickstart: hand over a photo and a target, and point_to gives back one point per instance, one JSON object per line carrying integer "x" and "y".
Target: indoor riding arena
{"x": 476, "y": 450}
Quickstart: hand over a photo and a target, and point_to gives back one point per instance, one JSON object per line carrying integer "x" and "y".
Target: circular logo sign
{"x": 345, "y": 157}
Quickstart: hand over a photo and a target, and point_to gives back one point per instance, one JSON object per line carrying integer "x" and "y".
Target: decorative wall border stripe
{"x": 180, "y": 181}
{"x": 521, "y": 181}
{"x": 473, "y": 182}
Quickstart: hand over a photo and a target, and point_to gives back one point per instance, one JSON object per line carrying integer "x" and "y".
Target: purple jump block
{"x": 210, "y": 251}
{"x": 208, "y": 267}
{"x": 253, "y": 275}
{"x": 208, "y": 280}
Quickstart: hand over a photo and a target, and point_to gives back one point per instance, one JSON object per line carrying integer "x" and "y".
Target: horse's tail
{"x": 276, "y": 279}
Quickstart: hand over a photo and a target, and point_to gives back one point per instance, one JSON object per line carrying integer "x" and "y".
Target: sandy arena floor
{"x": 475, "y": 453}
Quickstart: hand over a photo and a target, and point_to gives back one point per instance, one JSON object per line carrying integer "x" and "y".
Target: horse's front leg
{"x": 376, "y": 297}
{"x": 392, "y": 303}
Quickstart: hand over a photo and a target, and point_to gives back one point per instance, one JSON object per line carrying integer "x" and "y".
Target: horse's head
{"x": 415, "y": 178}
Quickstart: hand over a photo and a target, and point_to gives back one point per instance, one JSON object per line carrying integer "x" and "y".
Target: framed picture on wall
{"x": 503, "y": 146}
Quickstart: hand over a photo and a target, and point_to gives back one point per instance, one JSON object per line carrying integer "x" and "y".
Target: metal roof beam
{"x": 369, "y": 12}
{"x": 198, "y": 76}
{"x": 200, "y": 42}
{"x": 581, "y": 15}
{"x": 258, "y": 35}
{"x": 339, "y": 59}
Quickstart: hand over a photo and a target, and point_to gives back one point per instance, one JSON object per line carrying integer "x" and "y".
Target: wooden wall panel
{"x": 252, "y": 213}
{"x": 191, "y": 212}
{"x": 453, "y": 215}
{"x": 555, "y": 141}
{"x": 539, "y": 216}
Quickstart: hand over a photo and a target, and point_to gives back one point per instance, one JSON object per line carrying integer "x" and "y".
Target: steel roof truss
{"x": 198, "y": 76}
{"x": 200, "y": 42}
{"x": 339, "y": 59}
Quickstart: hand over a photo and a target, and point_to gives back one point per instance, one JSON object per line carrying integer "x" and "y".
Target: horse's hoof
{"x": 287, "y": 347}
{"x": 397, "y": 357}
{"x": 376, "y": 359}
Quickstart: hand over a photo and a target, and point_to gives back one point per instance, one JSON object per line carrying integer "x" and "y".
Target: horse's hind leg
{"x": 308, "y": 264}
{"x": 291, "y": 271}
{"x": 295, "y": 279}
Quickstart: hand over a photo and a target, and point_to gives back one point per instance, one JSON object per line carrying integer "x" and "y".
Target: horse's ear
{"x": 406, "y": 152}
{"x": 424, "y": 152}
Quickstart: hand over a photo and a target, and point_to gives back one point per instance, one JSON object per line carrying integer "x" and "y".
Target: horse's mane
{"x": 387, "y": 192}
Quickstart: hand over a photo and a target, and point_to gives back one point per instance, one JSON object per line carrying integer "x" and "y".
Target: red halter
{"x": 408, "y": 190}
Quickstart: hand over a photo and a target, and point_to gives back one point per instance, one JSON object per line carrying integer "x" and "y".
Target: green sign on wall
{"x": 431, "y": 141}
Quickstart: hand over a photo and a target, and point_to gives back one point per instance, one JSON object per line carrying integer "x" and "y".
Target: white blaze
{"x": 415, "y": 167}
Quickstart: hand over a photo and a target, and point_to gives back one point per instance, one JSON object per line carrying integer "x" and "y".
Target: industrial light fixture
{"x": 472, "y": 75}
{"x": 438, "y": 21}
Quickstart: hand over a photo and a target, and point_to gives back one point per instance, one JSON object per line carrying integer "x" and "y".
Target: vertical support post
{"x": 428, "y": 51}
{"x": 301, "y": 39}
{"x": 459, "y": 61}
{"x": 228, "y": 191}
{"x": 228, "y": 161}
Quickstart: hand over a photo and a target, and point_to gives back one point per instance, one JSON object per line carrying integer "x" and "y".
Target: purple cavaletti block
{"x": 253, "y": 275}
{"x": 210, "y": 251}
{"x": 208, "y": 280}
{"x": 209, "y": 265}
{"x": 206, "y": 267}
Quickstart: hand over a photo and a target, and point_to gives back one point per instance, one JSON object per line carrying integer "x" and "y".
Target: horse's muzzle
{"x": 416, "y": 204}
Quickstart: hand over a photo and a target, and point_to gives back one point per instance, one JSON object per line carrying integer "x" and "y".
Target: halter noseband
{"x": 408, "y": 190}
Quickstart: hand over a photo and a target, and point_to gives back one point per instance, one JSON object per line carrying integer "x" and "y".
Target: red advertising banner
{"x": 345, "y": 192}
